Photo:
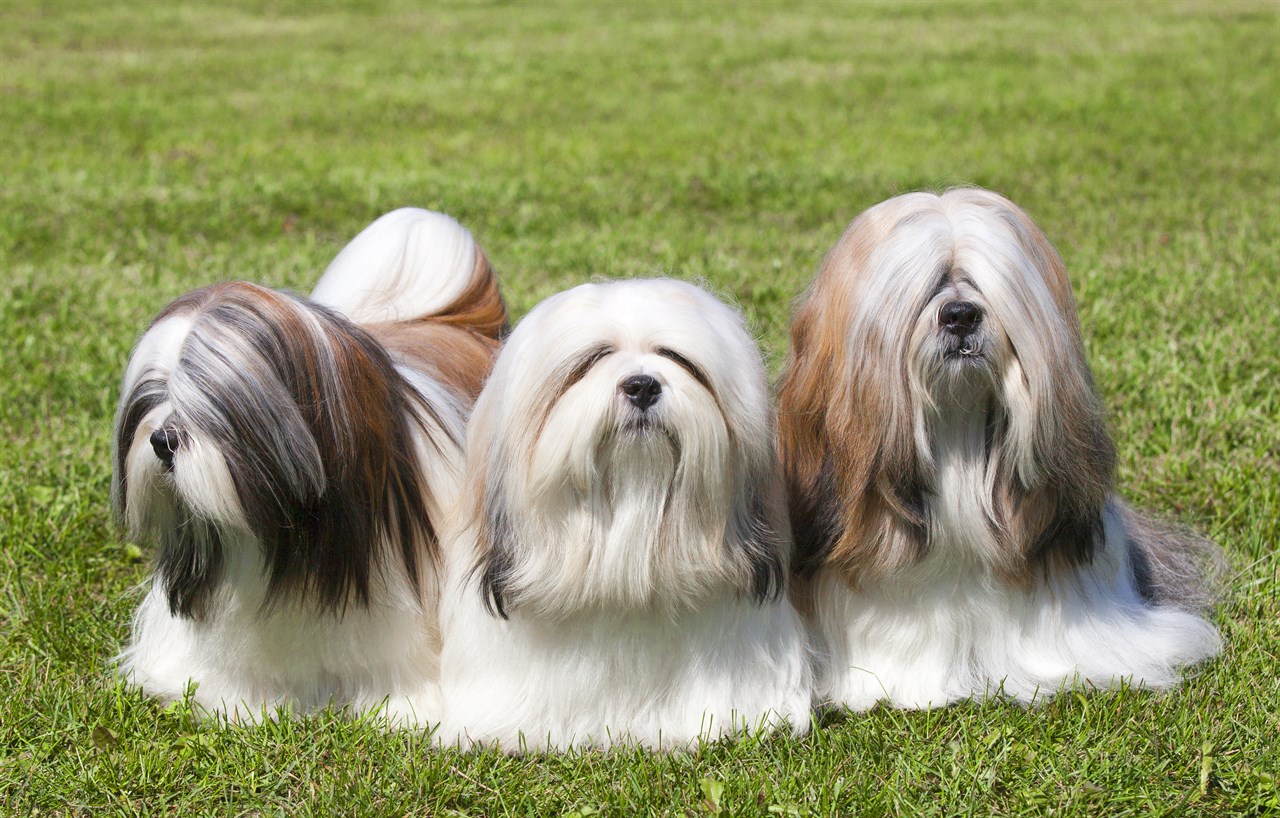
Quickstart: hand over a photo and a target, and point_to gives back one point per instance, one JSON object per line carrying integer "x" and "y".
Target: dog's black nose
{"x": 165, "y": 442}
{"x": 960, "y": 317}
{"x": 641, "y": 390}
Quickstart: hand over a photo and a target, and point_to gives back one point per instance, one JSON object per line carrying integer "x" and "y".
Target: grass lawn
{"x": 148, "y": 148}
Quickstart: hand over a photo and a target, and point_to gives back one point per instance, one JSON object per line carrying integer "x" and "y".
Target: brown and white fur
{"x": 292, "y": 461}
{"x": 950, "y": 474}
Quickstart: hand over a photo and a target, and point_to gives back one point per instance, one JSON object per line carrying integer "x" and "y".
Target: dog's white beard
{"x": 959, "y": 507}
{"x": 627, "y": 621}
{"x": 624, "y": 518}
{"x": 639, "y": 477}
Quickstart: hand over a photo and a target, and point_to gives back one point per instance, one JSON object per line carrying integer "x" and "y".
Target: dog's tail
{"x": 1171, "y": 564}
{"x": 412, "y": 264}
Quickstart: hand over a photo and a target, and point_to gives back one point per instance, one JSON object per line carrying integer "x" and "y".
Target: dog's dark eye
{"x": 583, "y": 365}
{"x": 688, "y": 365}
{"x": 943, "y": 281}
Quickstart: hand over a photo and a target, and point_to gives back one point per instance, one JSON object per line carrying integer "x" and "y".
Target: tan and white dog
{"x": 950, "y": 474}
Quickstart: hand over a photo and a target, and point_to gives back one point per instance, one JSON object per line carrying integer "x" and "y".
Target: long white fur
{"x": 628, "y": 622}
{"x": 947, "y": 628}
{"x": 607, "y": 677}
{"x": 254, "y": 656}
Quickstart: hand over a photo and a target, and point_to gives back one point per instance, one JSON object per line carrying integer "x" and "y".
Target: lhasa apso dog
{"x": 950, "y": 475}
{"x": 292, "y": 460}
{"x": 621, "y": 579}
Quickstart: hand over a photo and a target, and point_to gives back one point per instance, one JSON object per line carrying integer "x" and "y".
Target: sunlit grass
{"x": 151, "y": 148}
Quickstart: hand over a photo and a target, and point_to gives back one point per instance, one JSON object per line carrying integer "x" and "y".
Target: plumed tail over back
{"x": 412, "y": 264}
{"x": 422, "y": 286}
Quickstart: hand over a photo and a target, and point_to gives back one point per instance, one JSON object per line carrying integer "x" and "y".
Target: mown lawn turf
{"x": 149, "y": 148}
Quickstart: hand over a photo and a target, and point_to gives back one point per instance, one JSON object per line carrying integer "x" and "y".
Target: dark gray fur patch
{"x": 815, "y": 522}
{"x": 189, "y": 567}
{"x": 762, "y": 545}
{"x": 1171, "y": 564}
{"x": 496, "y": 564}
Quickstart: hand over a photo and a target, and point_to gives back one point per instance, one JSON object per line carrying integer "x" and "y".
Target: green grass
{"x": 146, "y": 149}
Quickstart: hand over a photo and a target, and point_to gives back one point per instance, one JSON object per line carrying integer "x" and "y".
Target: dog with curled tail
{"x": 949, "y": 474}
{"x": 620, "y": 572}
{"x": 292, "y": 461}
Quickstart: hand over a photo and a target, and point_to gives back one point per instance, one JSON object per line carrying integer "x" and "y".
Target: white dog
{"x": 292, "y": 460}
{"x": 621, "y": 578}
{"x": 950, "y": 472}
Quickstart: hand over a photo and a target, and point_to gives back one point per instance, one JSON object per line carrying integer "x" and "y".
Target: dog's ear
{"x": 845, "y": 439}
{"x": 875, "y": 469}
{"x": 808, "y": 392}
{"x": 486, "y": 512}
{"x": 760, "y": 523}
{"x": 189, "y": 566}
{"x": 319, "y": 433}
{"x": 1053, "y": 472}
{"x": 375, "y": 492}
{"x": 496, "y": 545}
{"x": 1054, "y": 459}
{"x": 855, "y": 489}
